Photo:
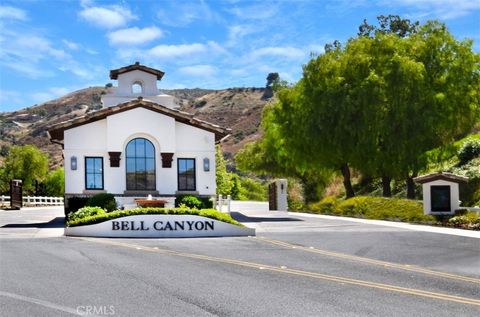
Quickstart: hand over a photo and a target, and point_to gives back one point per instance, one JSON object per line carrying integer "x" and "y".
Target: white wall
{"x": 113, "y": 134}
{"x": 454, "y": 196}
{"x": 198, "y": 144}
{"x": 126, "y": 80}
{"x": 85, "y": 140}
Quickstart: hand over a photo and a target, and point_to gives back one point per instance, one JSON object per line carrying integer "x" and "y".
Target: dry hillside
{"x": 236, "y": 108}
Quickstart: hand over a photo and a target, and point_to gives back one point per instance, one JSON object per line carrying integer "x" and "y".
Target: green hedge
{"x": 103, "y": 200}
{"x": 209, "y": 213}
{"x": 394, "y": 209}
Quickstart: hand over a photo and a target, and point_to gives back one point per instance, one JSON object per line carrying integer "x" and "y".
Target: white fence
{"x": 30, "y": 201}
{"x": 222, "y": 204}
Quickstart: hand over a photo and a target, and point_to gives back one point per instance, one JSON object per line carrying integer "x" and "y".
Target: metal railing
{"x": 31, "y": 201}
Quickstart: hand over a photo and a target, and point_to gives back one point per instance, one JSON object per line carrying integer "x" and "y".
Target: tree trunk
{"x": 387, "y": 191}
{"x": 347, "y": 183}
{"x": 410, "y": 187}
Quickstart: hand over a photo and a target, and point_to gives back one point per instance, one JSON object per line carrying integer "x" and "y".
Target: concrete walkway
{"x": 32, "y": 222}
{"x": 401, "y": 225}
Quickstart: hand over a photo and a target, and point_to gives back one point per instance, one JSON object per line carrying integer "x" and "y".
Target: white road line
{"x": 42, "y": 303}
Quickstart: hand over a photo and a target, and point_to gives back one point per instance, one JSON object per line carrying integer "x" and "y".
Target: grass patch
{"x": 393, "y": 209}
{"x": 101, "y": 217}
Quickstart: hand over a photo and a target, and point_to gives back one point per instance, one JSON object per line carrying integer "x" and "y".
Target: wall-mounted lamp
{"x": 73, "y": 163}
{"x": 206, "y": 164}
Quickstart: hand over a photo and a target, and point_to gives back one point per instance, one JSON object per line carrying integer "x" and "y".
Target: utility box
{"x": 16, "y": 194}
{"x": 277, "y": 195}
{"x": 440, "y": 192}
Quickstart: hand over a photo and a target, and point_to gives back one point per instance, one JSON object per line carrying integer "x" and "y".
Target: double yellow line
{"x": 384, "y": 264}
{"x": 285, "y": 270}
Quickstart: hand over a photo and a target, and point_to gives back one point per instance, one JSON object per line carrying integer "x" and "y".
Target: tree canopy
{"x": 27, "y": 163}
{"x": 377, "y": 104}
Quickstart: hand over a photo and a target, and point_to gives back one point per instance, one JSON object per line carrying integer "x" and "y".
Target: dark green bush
{"x": 103, "y": 200}
{"x": 75, "y": 203}
{"x": 86, "y": 212}
{"x": 469, "y": 150}
{"x": 207, "y": 203}
{"x": 101, "y": 217}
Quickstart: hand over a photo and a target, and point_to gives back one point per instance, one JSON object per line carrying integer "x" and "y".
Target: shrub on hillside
{"x": 394, "y": 209}
{"x": 103, "y": 200}
{"x": 470, "y": 220}
{"x": 326, "y": 206}
{"x": 469, "y": 150}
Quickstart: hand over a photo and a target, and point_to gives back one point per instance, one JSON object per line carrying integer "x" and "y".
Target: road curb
{"x": 402, "y": 225}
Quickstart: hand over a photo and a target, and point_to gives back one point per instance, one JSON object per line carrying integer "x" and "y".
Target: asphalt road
{"x": 296, "y": 266}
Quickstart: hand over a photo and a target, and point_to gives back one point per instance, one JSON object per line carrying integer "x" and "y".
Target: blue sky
{"x": 49, "y": 48}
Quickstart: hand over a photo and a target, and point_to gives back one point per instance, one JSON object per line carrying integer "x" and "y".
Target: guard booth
{"x": 440, "y": 192}
{"x": 277, "y": 195}
{"x": 16, "y": 195}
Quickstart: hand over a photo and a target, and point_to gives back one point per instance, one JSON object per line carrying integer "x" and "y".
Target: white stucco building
{"x": 138, "y": 144}
{"x": 441, "y": 193}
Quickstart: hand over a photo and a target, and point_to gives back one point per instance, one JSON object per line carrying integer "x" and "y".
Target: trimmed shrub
{"x": 469, "y": 150}
{"x": 86, "y": 212}
{"x": 75, "y": 203}
{"x": 393, "y": 209}
{"x": 103, "y": 200}
{"x": 327, "y": 206}
{"x": 101, "y": 217}
{"x": 189, "y": 201}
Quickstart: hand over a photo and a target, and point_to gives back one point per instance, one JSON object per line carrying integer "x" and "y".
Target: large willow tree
{"x": 377, "y": 104}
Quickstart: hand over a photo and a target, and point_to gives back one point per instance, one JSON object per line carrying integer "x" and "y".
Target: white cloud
{"x": 173, "y": 51}
{"x": 7, "y": 12}
{"x": 165, "y": 52}
{"x": 199, "y": 70}
{"x": 285, "y": 51}
{"x": 134, "y": 36}
{"x": 71, "y": 45}
{"x": 180, "y": 14}
{"x": 107, "y": 17}
{"x": 256, "y": 12}
{"x": 237, "y": 32}
{"x": 444, "y": 9}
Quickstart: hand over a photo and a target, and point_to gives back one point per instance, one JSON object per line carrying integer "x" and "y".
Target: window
{"x": 93, "y": 172}
{"x": 186, "y": 174}
{"x": 137, "y": 88}
{"x": 140, "y": 159}
{"x": 440, "y": 198}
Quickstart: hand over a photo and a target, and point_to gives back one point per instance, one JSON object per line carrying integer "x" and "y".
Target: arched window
{"x": 137, "y": 88}
{"x": 140, "y": 165}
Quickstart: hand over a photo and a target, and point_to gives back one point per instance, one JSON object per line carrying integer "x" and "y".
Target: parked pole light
{"x": 206, "y": 164}
{"x": 73, "y": 163}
